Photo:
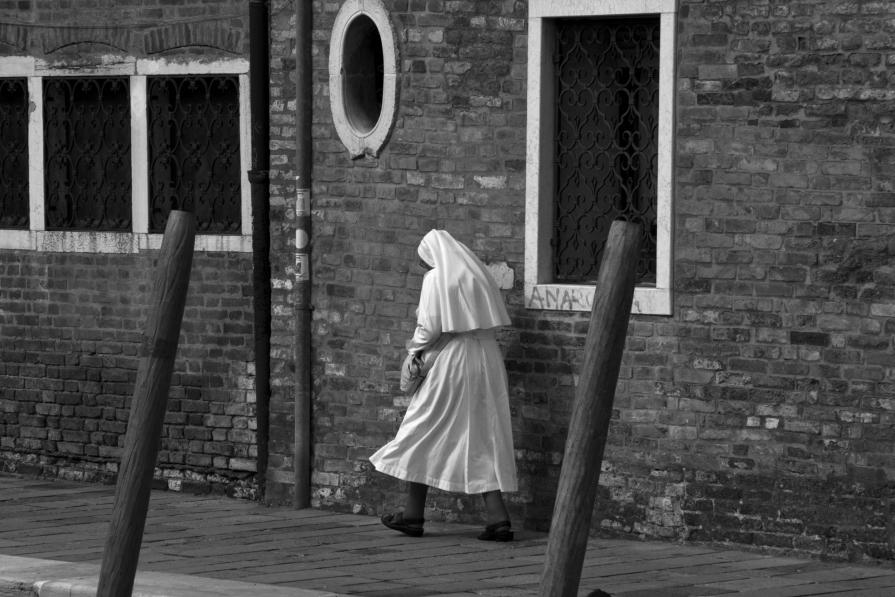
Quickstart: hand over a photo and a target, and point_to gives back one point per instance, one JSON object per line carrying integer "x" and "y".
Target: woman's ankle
{"x": 415, "y": 505}
{"x": 496, "y": 509}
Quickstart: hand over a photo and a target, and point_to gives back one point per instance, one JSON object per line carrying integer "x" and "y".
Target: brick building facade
{"x": 759, "y": 409}
{"x": 73, "y": 293}
{"x": 756, "y": 399}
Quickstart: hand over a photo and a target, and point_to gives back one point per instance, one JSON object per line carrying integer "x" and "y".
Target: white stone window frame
{"x": 37, "y": 238}
{"x": 540, "y": 292}
{"x": 360, "y": 143}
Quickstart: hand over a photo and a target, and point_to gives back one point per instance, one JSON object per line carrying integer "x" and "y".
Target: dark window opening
{"x": 194, "y": 160}
{"x": 363, "y": 74}
{"x": 14, "y": 153}
{"x": 606, "y": 145}
{"x": 87, "y": 162}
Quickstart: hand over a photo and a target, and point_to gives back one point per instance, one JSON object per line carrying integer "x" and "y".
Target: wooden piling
{"x": 589, "y": 423}
{"x": 125, "y": 535}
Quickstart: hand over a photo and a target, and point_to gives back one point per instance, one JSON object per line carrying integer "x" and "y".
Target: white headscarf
{"x": 463, "y": 295}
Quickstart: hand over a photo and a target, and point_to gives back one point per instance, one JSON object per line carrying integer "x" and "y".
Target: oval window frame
{"x": 359, "y": 142}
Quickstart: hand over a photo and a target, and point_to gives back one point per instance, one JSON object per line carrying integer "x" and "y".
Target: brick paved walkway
{"x": 227, "y": 539}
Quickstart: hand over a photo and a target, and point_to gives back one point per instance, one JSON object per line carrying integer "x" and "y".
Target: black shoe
{"x": 408, "y": 526}
{"x": 499, "y": 531}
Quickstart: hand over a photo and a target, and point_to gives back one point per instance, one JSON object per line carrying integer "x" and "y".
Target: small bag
{"x": 417, "y": 365}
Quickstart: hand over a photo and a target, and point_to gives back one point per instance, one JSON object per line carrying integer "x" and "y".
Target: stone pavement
{"x": 52, "y": 535}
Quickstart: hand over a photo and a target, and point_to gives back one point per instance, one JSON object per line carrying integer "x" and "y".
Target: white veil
{"x": 464, "y": 295}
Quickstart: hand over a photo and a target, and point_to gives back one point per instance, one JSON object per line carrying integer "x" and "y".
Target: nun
{"x": 456, "y": 434}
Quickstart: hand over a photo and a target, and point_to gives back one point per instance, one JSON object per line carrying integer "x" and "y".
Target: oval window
{"x": 362, "y": 66}
{"x": 362, "y": 74}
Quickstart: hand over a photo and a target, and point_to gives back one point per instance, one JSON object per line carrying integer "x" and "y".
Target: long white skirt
{"x": 456, "y": 434}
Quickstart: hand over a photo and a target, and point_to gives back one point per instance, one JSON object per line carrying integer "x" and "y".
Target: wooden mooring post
{"x": 144, "y": 425}
{"x": 589, "y": 424}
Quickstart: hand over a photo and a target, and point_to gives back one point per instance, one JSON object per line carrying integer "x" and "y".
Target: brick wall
{"x": 761, "y": 411}
{"x": 71, "y": 323}
{"x": 50, "y": 28}
{"x": 280, "y": 477}
{"x": 780, "y": 383}
{"x": 72, "y": 327}
{"x": 454, "y": 160}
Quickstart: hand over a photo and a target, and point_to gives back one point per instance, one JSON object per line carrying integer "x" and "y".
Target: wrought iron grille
{"x": 87, "y": 144}
{"x": 13, "y": 153}
{"x": 194, "y": 151}
{"x": 606, "y": 151}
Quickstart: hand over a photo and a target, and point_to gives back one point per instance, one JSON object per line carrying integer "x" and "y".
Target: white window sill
{"x": 112, "y": 242}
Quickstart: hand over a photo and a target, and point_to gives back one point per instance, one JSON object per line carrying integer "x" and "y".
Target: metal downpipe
{"x": 303, "y": 110}
{"x": 259, "y": 178}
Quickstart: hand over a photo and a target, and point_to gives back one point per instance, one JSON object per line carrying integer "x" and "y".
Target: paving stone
{"x": 213, "y": 539}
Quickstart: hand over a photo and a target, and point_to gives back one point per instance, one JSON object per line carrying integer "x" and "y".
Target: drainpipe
{"x": 259, "y": 178}
{"x": 304, "y": 81}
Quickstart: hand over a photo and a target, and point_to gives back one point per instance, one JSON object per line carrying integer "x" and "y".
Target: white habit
{"x": 456, "y": 435}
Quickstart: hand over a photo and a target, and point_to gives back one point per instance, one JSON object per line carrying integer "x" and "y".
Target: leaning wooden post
{"x": 172, "y": 276}
{"x": 589, "y": 424}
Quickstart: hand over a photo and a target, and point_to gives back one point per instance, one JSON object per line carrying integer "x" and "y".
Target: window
{"x": 87, "y": 138}
{"x": 363, "y": 73}
{"x": 362, "y": 76}
{"x": 600, "y": 111}
{"x": 14, "y": 153}
{"x": 194, "y": 151}
{"x": 117, "y": 148}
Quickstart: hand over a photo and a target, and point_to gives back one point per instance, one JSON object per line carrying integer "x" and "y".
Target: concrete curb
{"x": 31, "y": 577}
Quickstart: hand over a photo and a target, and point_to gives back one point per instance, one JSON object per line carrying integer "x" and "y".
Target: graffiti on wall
{"x": 558, "y": 297}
